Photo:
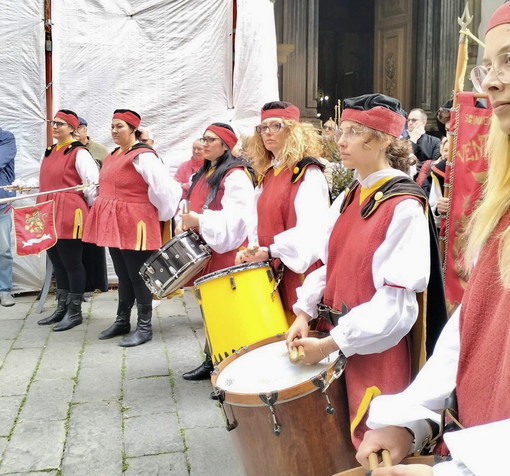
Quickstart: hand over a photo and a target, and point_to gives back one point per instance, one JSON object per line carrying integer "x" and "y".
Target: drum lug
{"x": 270, "y": 399}
{"x": 232, "y": 282}
{"x": 221, "y": 398}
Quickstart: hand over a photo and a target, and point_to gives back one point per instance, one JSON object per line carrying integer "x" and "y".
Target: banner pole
{"x": 48, "y": 48}
{"x": 462, "y": 58}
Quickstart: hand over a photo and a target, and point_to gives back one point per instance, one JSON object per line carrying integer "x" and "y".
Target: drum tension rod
{"x": 270, "y": 399}
{"x": 221, "y": 398}
{"x": 320, "y": 383}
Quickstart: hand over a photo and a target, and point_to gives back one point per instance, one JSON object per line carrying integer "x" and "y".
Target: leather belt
{"x": 330, "y": 315}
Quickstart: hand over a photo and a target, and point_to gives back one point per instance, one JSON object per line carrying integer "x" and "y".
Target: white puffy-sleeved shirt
{"x": 296, "y": 247}
{"x": 380, "y": 323}
{"x": 164, "y": 192}
{"x": 226, "y": 229}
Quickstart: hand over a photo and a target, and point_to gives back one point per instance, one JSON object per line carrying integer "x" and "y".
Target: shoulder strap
{"x": 300, "y": 167}
{"x": 392, "y": 188}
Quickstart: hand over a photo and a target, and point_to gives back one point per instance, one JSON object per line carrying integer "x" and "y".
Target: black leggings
{"x": 127, "y": 264}
{"x": 66, "y": 258}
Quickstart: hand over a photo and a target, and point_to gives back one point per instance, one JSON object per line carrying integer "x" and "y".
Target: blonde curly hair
{"x": 301, "y": 140}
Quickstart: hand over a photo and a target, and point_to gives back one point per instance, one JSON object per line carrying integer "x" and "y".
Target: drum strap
{"x": 331, "y": 315}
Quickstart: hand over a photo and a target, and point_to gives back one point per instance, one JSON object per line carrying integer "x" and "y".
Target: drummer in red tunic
{"x": 367, "y": 291}
{"x": 292, "y": 195}
{"x": 135, "y": 194}
{"x": 66, "y": 164}
{"x": 220, "y": 199}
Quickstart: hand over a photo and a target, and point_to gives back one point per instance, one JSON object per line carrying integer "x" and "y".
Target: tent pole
{"x": 48, "y": 47}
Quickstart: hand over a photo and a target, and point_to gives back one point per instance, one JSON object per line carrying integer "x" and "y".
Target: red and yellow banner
{"x": 464, "y": 177}
{"x": 34, "y": 228}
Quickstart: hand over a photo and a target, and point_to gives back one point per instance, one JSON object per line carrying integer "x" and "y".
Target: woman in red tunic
{"x": 135, "y": 194}
{"x": 66, "y": 164}
{"x": 292, "y": 195}
{"x": 220, "y": 198}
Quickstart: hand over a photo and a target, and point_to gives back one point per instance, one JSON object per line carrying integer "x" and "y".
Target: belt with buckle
{"x": 330, "y": 315}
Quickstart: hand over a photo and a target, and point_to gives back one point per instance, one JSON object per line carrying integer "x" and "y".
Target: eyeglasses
{"x": 349, "y": 133}
{"x": 501, "y": 66}
{"x": 327, "y": 128}
{"x": 208, "y": 140}
{"x": 274, "y": 128}
{"x": 57, "y": 124}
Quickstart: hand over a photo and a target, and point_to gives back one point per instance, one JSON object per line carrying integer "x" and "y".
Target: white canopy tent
{"x": 170, "y": 60}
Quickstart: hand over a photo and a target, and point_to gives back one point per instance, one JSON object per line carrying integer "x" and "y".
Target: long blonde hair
{"x": 495, "y": 202}
{"x": 302, "y": 140}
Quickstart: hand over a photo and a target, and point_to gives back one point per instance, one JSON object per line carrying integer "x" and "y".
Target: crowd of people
{"x": 349, "y": 269}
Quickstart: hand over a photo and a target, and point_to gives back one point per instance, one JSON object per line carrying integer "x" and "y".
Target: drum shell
{"x": 311, "y": 442}
{"x": 240, "y": 305}
{"x": 175, "y": 263}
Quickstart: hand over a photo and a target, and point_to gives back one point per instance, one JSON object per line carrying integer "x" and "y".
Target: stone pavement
{"x": 73, "y": 405}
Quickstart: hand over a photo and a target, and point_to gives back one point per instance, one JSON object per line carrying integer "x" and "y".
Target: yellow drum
{"x": 240, "y": 305}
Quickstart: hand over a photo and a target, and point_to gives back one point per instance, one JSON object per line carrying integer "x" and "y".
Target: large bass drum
{"x": 175, "y": 263}
{"x": 284, "y": 418}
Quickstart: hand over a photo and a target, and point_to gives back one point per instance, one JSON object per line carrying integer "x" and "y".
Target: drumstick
{"x": 373, "y": 459}
{"x": 293, "y": 355}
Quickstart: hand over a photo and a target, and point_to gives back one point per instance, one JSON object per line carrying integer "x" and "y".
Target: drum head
{"x": 266, "y": 369}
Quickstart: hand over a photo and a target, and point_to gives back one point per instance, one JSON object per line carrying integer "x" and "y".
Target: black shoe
{"x": 143, "y": 332}
{"x": 121, "y": 326}
{"x": 60, "y": 312}
{"x": 73, "y": 315}
{"x": 213, "y": 396}
{"x": 202, "y": 372}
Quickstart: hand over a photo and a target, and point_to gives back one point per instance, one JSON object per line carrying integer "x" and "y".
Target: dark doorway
{"x": 346, "y": 52}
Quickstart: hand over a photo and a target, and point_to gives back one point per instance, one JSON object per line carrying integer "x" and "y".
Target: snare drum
{"x": 285, "y": 418}
{"x": 175, "y": 263}
{"x": 240, "y": 305}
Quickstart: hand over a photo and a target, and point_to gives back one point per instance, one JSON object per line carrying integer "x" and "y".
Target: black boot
{"x": 202, "y": 372}
{"x": 143, "y": 332}
{"x": 121, "y": 325}
{"x": 73, "y": 315}
{"x": 60, "y": 312}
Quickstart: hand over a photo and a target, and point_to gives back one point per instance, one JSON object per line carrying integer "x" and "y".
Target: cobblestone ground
{"x": 73, "y": 405}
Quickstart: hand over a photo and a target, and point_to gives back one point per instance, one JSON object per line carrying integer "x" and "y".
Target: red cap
{"x": 500, "y": 17}
{"x": 129, "y": 117}
{"x": 226, "y": 135}
{"x": 290, "y": 112}
{"x": 69, "y": 118}
{"x": 378, "y": 118}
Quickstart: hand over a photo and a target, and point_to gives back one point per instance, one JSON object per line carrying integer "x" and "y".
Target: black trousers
{"x": 127, "y": 264}
{"x": 66, "y": 258}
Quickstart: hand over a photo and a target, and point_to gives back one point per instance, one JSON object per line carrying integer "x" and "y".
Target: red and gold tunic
{"x": 483, "y": 378}
{"x": 122, "y": 215}
{"x": 349, "y": 283}
{"x": 276, "y": 213}
{"x": 58, "y": 170}
{"x": 196, "y": 200}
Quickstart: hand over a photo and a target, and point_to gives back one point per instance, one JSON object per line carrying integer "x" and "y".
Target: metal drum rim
{"x": 252, "y": 399}
{"x": 231, "y": 270}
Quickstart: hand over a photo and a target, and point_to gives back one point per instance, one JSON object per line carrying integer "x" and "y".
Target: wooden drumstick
{"x": 293, "y": 355}
{"x": 373, "y": 459}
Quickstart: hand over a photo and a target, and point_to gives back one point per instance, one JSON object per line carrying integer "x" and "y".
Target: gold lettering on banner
{"x": 35, "y": 222}
{"x": 474, "y": 149}
{"x": 477, "y": 120}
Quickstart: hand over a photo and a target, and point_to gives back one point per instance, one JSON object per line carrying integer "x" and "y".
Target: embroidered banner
{"x": 464, "y": 177}
{"x": 34, "y": 228}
